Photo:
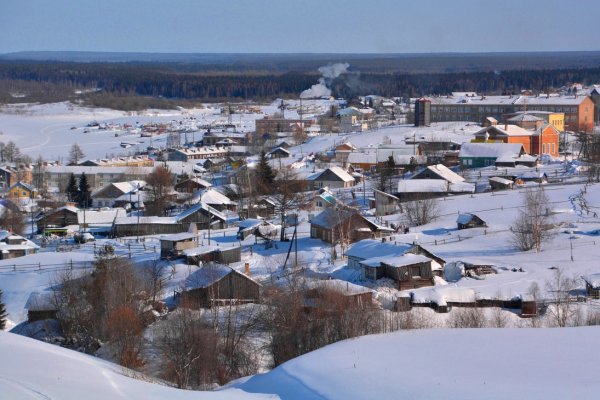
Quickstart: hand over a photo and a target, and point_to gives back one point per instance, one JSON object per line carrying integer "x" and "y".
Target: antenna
{"x": 282, "y": 107}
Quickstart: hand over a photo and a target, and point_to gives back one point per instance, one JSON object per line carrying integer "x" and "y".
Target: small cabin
{"x": 217, "y": 284}
{"x": 40, "y": 306}
{"x": 499, "y": 183}
{"x": 212, "y": 253}
{"x": 172, "y": 246}
{"x": 319, "y": 291}
{"x": 468, "y": 221}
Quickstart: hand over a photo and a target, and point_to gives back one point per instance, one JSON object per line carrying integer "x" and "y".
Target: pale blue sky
{"x": 319, "y": 26}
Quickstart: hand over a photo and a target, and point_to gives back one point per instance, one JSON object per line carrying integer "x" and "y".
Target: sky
{"x": 299, "y": 26}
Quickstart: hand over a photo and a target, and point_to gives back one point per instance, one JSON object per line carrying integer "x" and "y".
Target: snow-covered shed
{"x": 467, "y": 221}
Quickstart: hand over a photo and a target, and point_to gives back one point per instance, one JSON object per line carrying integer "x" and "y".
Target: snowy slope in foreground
{"x": 444, "y": 364}
{"x": 35, "y": 370}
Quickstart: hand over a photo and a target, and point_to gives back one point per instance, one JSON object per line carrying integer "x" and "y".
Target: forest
{"x": 135, "y": 85}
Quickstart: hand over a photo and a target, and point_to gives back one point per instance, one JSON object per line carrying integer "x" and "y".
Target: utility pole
{"x": 138, "y": 213}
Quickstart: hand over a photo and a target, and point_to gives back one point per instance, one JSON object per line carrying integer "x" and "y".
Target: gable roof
{"x": 211, "y": 196}
{"x": 339, "y": 172}
{"x": 197, "y": 207}
{"x": 443, "y": 172}
{"x": 434, "y": 186}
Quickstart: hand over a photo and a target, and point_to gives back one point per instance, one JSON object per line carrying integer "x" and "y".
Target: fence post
{"x": 15, "y": 267}
{"x": 71, "y": 262}
{"x": 39, "y": 266}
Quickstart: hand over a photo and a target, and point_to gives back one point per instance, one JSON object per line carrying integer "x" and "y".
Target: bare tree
{"x": 563, "y": 308}
{"x": 534, "y": 223}
{"x": 471, "y": 317}
{"x": 422, "y": 211}
{"x": 189, "y": 348}
{"x": 160, "y": 182}
{"x": 75, "y": 154}
{"x": 12, "y": 219}
{"x": 288, "y": 195}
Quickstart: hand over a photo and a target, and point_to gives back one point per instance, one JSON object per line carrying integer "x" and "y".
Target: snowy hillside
{"x": 64, "y": 374}
{"x": 444, "y": 364}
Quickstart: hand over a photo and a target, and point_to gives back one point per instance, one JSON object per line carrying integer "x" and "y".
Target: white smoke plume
{"x": 328, "y": 74}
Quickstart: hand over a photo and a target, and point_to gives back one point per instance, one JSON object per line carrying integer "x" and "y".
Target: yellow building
{"x": 557, "y": 120}
{"x": 21, "y": 190}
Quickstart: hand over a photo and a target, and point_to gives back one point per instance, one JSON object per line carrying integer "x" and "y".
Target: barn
{"x": 216, "y": 284}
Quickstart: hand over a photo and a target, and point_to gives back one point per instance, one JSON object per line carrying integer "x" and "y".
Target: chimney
{"x": 247, "y": 269}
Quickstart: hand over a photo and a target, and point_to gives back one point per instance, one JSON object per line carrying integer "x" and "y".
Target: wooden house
{"x": 217, "y": 284}
{"x": 192, "y": 185}
{"x": 278, "y": 152}
{"x": 263, "y": 208}
{"x": 467, "y": 221}
{"x": 21, "y": 190}
{"x": 108, "y": 194}
{"x": 172, "y": 246}
{"x": 213, "y": 253}
{"x": 410, "y": 271}
{"x": 333, "y": 177}
{"x": 13, "y": 246}
{"x": 41, "y": 305}
{"x": 349, "y": 225}
{"x": 59, "y": 218}
{"x": 385, "y": 204}
{"x": 592, "y": 285}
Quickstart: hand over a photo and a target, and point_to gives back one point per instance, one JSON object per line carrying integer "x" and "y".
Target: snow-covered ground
{"x": 443, "y": 364}
{"x": 31, "y": 370}
{"x": 46, "y": 129}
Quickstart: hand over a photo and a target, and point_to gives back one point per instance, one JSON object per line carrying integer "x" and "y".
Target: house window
{"x": 24, "y": 194}
{"x": 319, "y": 204}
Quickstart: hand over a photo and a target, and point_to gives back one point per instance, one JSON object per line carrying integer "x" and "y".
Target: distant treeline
{"x": 169, "y": 83}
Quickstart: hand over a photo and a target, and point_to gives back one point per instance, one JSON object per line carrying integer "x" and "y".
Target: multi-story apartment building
{"x": 578, "y": 110}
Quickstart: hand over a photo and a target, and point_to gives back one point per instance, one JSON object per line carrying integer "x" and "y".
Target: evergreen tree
{"x": 84, "y": 191}
{"x": 2, "y": 313}
{"x": 264, "y": 174}
{"x": 72, "y": 191}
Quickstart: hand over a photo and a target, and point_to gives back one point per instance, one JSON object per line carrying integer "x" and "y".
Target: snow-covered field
{"x": 443, "y": 364}
{"x": 46, "y": 129}
{"x": 31, "y": 370}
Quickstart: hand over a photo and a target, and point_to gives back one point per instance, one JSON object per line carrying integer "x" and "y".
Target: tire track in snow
{"x": 35, "y": 394}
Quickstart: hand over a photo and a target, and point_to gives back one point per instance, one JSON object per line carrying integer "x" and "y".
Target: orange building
{"x": 545, "y": 135}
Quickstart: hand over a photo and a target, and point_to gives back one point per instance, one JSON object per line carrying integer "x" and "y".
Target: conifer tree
{"x": 264, "y": 174}
{"x": 72, "y": 191}
{"x": 84, "y": 191}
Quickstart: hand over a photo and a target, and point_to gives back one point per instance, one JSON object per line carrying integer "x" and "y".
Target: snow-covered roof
{"x": 465, "y": 218}
{"x": 441, "y": 295}
{"x": 501, "y": 180}
{"x": 339, "y": 172}
{"x": 206, "y": 276}
{"x": 433, "y": 186}
{"x": 145, "y": 220}
{"x": 362, "y": 158}
{"x": 369, "y": 248}
{"x": 396, "y": 261}
{"x": 211, "y": 196}
{"x": 177, "y": 237}
{"x": 199, "y": 250}
{"x": 509, "y": 100}
{"x": 41, "y": 301}
{"x": 446, "y": 173}
{"x": 506, "y": 130}
{"x": 490, "y": 150}
{"x": 100, "y": 217}
{"x": 201, "y": 206}
{"x": 250, "y": 223}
